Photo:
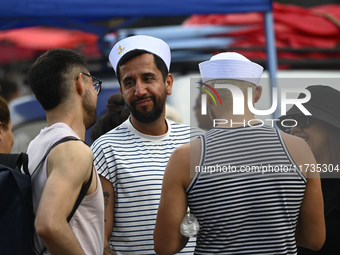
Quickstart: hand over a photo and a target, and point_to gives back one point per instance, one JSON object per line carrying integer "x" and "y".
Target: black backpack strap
{"x": 15, "y": 161}
{"x": 23, "y": 161}
{"x": 82, "y": 194}
{"x": 65, "y": 139}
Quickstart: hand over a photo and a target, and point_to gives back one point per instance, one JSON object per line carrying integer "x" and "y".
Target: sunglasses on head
{"x": 301, "y": 121}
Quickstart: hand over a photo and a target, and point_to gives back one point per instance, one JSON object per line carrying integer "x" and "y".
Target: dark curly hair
{"x": 115, "y": 115}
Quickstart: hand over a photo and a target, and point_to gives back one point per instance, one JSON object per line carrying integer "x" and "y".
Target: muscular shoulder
{"x": 188, "y": 153}
{"x": 182, "y": 152}
{"x": 293, "y": 142}
{"x": 73, "y": 154}
{"x": 298, "y": 149}
{"x": 183, "y": 160}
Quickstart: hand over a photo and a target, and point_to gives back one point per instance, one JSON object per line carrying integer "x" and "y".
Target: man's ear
{"x": 120, "y": 89}
{"x": 80, "y": 84}
{"x": 257, "y": 94}
{"x": 169, "y": 80}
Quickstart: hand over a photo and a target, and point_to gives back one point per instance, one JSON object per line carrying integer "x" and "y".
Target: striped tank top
{"x": 246, "y": 193}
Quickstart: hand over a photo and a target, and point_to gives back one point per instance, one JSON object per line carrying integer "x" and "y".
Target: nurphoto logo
{"x": 238, "y": 101}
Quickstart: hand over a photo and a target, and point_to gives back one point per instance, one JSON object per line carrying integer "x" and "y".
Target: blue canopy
{"x": 85, "y": 14}
{"x": 90, "y": 15}
{"x": 93, "y": 15}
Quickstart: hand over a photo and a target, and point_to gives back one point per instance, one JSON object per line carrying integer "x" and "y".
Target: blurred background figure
{"x": 172, "y": 114}
{"x": 8, "y": 90}
{"x": 321, "y": 131}
{"x": 6, "y": 135}
{"x": 115, "y": 115}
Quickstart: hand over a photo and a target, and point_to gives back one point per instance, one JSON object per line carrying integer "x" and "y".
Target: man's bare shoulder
{"x": 186, "y": 149}
{"x": 186, "y": 157}
{"x": 298, "y": 149}
{"x": 292, "y": 141}
{"x": 71, "y": 153}
{"x": 73, "y": 145}
{"x": 181, "y": 152}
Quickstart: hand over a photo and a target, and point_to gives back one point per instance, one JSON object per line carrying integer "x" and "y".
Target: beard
{"x": 151, "y": 115}
{"x": 90, "y": 110}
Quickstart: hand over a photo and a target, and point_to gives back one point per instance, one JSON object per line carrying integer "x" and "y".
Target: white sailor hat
{"x": 230, "y": 65}
{"x": 140, "y": 42}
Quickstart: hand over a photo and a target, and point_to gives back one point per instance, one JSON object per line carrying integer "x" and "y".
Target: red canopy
{"x": 25, "y": 43}
{"x": 295, "y": 28}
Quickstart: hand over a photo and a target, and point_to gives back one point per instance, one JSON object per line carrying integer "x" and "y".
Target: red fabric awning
{"x": 295, "y": 28}
{"x": 25, "y": 43}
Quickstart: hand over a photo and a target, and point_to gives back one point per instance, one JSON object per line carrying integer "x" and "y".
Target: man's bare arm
{"x": 173, "y": 203}
{"x": 311, "y": 230}
{"x": 109, "y": 195}
{"x": 69, "y": 167}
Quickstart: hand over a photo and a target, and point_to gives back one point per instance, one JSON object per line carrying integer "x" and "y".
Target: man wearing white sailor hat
{"x": 131, "y": 158}
{"x": 234, "y": 181}
{"x": 233, "y": 69}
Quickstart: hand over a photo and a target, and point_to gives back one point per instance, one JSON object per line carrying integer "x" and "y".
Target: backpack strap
{"x": 83, "y": 190}
{"x": 23, "y": 161}
{"x": 15, "y": 161}
{"x": 65, "y": 139}
{"x": 82, "y": 194}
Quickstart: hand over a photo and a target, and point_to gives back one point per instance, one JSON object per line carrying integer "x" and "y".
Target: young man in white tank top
{"x": 63, "y": 86}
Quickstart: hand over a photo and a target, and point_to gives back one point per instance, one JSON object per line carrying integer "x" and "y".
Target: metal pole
{"x": 271, "y": 54}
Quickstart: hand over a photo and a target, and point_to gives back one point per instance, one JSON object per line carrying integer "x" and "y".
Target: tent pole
{"x": 271, "y": 54}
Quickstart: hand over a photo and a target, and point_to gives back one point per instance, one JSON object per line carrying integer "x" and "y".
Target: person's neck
{"x": 158, "y": 127}
{"x": 72, "y": 119}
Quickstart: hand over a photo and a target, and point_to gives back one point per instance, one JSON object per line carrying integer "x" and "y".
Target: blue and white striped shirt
{"x": 134, "y": 163}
